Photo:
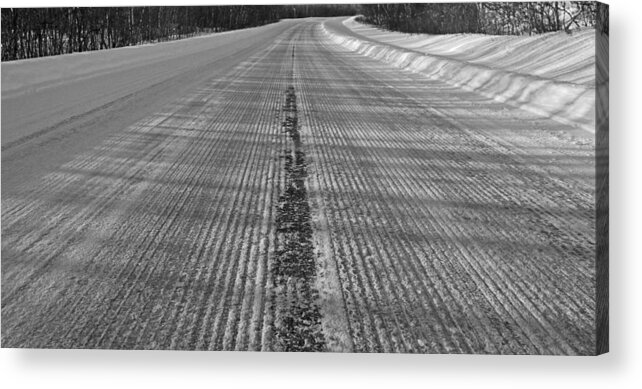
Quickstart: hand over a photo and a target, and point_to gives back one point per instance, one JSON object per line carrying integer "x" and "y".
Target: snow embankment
{"x": 549, "y": 74}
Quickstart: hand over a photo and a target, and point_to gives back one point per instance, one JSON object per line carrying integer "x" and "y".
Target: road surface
{"x": 274, "y": 191}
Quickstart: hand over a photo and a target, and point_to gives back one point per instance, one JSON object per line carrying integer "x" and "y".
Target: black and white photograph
{"x": 414, "y": 178}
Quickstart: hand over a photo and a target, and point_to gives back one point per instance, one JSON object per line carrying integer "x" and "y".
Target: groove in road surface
{"x": 298, "y": 318}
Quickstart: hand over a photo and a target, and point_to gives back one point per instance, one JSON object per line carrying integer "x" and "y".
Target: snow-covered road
{"x": 270, "y": 189}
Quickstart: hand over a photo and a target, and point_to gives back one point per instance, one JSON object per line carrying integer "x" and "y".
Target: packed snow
{"x": 550, "y": 74}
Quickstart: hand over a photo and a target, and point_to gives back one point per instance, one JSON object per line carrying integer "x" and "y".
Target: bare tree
{"x": 37, "y": 32}
{"x": 499, "y": 18}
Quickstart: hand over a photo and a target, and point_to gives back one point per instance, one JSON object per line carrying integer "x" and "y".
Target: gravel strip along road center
{"x": 272, "y": 190}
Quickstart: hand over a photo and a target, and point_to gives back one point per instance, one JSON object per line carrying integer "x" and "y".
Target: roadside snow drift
{"x": 550, "y": 74}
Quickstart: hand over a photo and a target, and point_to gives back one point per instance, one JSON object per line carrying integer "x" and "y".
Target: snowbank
{"x": 551, "y": 74}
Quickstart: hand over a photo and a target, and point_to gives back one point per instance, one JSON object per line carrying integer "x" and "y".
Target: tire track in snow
{"x": 297, "y": 321}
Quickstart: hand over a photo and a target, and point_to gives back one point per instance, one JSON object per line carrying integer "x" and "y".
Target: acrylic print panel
{"x": 390, "y": 178}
